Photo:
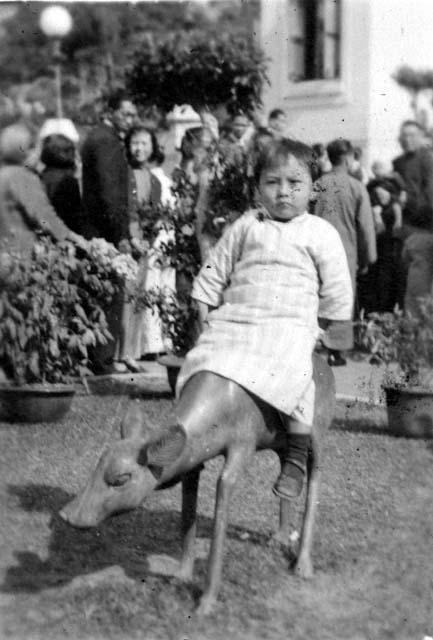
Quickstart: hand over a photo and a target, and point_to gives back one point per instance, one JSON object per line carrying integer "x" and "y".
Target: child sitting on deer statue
{"x": 260, "y": 292}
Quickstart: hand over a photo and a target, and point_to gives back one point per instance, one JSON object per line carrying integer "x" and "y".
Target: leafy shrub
{"x": 179, "y": 247}
{"x": 231, "y": 193}
{"x": 52, "y": 310}
{"x": 178, "y": 313}
{"x": 414, "y": 79}
{"x": 193, "y": 68}
{"x": 403, "y": 339}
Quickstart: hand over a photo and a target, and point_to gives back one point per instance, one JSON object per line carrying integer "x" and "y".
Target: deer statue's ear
{"x": 136, "y": 424}
{"x": 164, "y": 450}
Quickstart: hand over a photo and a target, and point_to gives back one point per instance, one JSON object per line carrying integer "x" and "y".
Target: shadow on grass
{"x": 125, "y": 540}
{"x": 360, "y": 426}
{"x": 134, "y": 392}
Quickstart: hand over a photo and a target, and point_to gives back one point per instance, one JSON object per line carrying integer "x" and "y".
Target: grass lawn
{"x": 373, "y": 550}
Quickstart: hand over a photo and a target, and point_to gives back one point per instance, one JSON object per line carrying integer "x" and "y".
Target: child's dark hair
{"x": 278, "y": 151}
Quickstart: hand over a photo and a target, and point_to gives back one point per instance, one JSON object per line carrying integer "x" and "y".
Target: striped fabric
{"x": 266, "y": 279}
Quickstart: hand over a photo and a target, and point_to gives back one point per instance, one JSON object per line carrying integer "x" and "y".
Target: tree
{"x": 106, "y": 30}
{"x": 414, "y": 79}
{"x": 103, "y": 38}
{"x": 194, "y": 68}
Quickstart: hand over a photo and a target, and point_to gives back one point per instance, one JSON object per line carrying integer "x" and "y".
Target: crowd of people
{"x": 383, "y": 216}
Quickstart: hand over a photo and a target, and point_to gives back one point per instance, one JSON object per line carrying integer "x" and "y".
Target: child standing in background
{"x": 258, "y": 294}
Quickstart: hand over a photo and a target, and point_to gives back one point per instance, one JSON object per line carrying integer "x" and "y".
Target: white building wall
{"x": 365, "y": 105}
{"x": 401, "y": 34}
{"x": 320, "y": 110}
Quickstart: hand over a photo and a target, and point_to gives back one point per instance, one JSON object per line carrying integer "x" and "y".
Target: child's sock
{"x": 293, "y": 466}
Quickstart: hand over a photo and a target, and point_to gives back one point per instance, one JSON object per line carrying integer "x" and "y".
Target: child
{"x": 258, "y": 295}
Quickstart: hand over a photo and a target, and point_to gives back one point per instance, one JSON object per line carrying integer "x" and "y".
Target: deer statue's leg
{"x": 304, "y": 566}
{"x": 235, "y": 462}
{"x": 189, "y": 522}
{"x": 281, "y": 536}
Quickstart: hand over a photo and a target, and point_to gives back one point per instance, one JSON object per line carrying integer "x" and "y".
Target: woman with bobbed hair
{"x": 142, "y": 331}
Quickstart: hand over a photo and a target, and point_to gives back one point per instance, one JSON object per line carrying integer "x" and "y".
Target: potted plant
{"x": 404, "y": 342}
{"x": 51, "y": 316}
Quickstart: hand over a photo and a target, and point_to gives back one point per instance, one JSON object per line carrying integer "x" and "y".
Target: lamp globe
{"x": 55, "y": 22}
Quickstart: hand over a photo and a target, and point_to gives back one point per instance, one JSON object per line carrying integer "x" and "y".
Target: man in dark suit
{"x": 105, "y": 201}
{"x": 415, "y": 166}
{"x": 105, "y": 172}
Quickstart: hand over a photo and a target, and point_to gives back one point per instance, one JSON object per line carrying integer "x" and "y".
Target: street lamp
{"x": 56, "y": 23}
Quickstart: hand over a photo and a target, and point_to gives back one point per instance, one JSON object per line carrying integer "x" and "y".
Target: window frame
{"x": 323, "y": 91}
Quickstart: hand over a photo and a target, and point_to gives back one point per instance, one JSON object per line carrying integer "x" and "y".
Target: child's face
{"x": 286, "y": 189}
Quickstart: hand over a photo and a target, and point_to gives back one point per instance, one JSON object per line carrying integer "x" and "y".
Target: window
{"x": 314, "y": 40}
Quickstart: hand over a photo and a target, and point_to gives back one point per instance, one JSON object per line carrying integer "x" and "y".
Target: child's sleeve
{"x": 336, "y": 292}
{"x": 218, "y": 266}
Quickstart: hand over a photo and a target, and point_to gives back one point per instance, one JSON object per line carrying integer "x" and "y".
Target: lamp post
{"x": 56, "y": 23}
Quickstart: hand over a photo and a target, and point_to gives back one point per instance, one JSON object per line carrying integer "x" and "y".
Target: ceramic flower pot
{"x": 410, "y": 411}
{"x": 173, "y": 364}
{"x": 38, "y": 403}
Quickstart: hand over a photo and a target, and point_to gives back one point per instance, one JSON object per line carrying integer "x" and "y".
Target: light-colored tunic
{"x": 157, "y": 276}
{"x": 144, "y": 329}
{"x": 266, "y": 279}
